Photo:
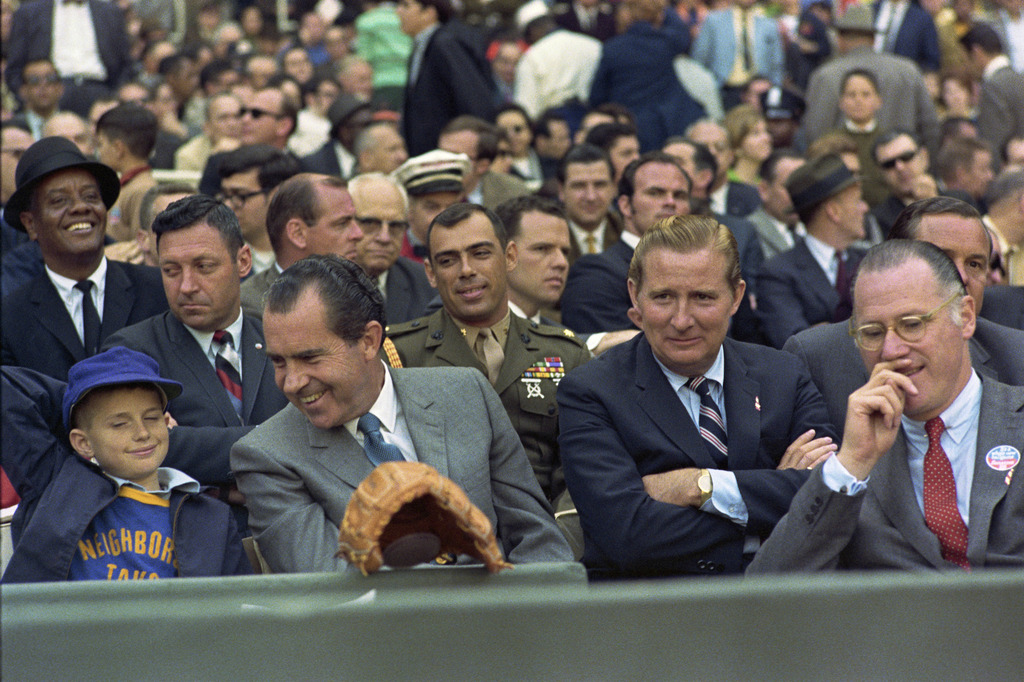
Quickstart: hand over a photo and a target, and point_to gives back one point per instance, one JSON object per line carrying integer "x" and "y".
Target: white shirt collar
{"x": 957, "y": 417}
{"x": 994, "y": 65}
{"x": 630, "y": 239}
{"x": 168, "y": 479}
{"x": 519, "y": 311}
{"x": 580, "y": 235}
{"x": 385, "y": 408}
{"x": 66, "y": 286}
{"x": 824, "y": 256}
{"x": 205, "y": 339}
{"x": 715, "y": 373}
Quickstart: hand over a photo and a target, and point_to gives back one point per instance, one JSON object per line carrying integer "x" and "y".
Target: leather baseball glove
{"x": 406, "y": 513}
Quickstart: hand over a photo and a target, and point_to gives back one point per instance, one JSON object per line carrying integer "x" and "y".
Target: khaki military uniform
{"x": 536, "y": 358}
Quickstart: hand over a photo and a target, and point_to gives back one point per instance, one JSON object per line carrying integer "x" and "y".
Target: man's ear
{"x": 624, "y": 206}
{"x": 80, "y": 442}
{"x": 244, "y": 260}
{"x": 373, "y": 337}
{"x": 511, "y": 256}
{"x": 969, "y": 316}
{"x": 295, "y": 231}
{"x": 28, "y": 221}
{"x": 428, "y": 268}
{"x": 634, "y": 312}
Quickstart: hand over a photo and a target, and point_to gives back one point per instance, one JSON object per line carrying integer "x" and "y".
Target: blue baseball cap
{"x": 113, "y": 367}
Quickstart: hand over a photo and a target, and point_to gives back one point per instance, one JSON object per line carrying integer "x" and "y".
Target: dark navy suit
{"x": 621, "y": 420}
{"x": 917, "y": 39}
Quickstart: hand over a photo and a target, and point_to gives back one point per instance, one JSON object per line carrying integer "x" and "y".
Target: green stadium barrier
{"x": 537, "y": 622}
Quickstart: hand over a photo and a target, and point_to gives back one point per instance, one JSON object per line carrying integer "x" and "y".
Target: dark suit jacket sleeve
{"x": 593, "y": 301}
{"x": 778, "y": 306}
{"x": 630, "y": 530}
{"x": 34, "y": 444}
{"x": 469, "y": 86}
{"x": 201, "y": 451}
{"x": 811, "y": 537}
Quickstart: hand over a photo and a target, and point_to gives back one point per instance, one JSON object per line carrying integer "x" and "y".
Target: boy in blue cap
{"x": 112, "y": 512}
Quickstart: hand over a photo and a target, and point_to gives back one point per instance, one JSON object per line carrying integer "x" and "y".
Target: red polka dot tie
{"x": 940, "y": 510}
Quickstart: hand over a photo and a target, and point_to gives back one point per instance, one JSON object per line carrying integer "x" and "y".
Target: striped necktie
{"x": 712, "y": 427}
{"x": 227, "y": 363}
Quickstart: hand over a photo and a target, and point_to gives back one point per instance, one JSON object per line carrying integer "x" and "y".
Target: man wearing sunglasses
{"x": 924, "y": 477}
{"x": 904, "y": 163}
{"x": 40, "y": 92}
{"x": 382, "y": 208}
{"x": 956, "y": 228}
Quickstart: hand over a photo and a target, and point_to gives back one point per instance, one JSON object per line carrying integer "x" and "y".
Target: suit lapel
{"x": 663, "y": 406}
{"x": 817, "y": 282}
{"x": 426, "y": 424}
{"x": 118, "y": 299}
{"x": 891, "y": 486}
{"x": 53, "y": 315}
{"x": 1000, "y": 422}
{"x": 742, "y": 410}
{"x": 192, "y": 359}
{"x": 255, "y": 367}
{"x": 337, "y": 452}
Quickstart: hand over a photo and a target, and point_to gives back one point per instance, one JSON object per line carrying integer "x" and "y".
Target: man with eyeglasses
{"x": 924, "y": 477}
{"x": 956, "y": 228}
{"x": 248, "y": 176}
{"x": 309, "y": 214}
{"x": 381, "y": 208}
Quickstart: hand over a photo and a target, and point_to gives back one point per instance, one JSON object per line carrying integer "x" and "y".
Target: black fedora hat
{"x": 817, "y": 180}
{"x": 47, "y": 156}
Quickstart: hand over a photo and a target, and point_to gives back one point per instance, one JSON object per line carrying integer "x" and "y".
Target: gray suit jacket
{"x": 838, "y": 370}
{"x": 1001, "y": 108}
{"x": 254, "y": 289}
{"x": 297, "y": 479}
{"x": 884, "y": 528}
{"x": 906, "y": 103}
{"x": 772, "y": 242}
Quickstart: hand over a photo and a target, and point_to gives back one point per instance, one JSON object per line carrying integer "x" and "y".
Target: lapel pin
{"x": 757, "y": 403}
{"x": 259, "y": 346}
{"x": 1002, "y": 458}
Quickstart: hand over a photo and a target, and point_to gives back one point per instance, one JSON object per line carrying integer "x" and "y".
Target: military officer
{"x": 468, "y": 262}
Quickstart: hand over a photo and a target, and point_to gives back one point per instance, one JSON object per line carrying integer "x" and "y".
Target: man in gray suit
{"x": 956, "y": 228}
{"x": 1001, "y": 105}
{"x": 924, "y": 477}
{"x": 325, "y": 326}
{"x": 906, "y": 103}
{"x": 309, "y": 214}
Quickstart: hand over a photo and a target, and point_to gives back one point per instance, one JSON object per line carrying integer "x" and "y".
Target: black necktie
{"x": 747, "y": 65}
{"x": 90, "y": 318}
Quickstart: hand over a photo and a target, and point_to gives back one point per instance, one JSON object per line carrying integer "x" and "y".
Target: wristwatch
{"x": 705, "y": 485}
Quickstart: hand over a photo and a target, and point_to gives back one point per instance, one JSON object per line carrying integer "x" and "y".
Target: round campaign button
{"x": 1002, "y": 457}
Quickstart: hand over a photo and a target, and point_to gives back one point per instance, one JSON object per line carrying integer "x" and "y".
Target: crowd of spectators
{"x": 189, "y": 180}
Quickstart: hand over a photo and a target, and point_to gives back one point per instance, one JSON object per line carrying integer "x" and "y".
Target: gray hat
{"x": 817, "y": 180}
{"x": 436, "y": 171}
{"x": 857, "y": 19}
{"x": 342, "y": 109}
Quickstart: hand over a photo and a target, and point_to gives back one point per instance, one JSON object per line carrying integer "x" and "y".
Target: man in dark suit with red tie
{"x": 205, "y": 342}
{"x": 683, "y": 448}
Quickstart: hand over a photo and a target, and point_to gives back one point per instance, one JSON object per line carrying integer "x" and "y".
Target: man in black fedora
{"x": 810, "y": 283}
{"x": 64, "y": 314}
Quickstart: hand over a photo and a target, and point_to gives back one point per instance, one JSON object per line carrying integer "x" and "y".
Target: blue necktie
{"x": 377, "y": 450}
{"x": 712, "y": 428}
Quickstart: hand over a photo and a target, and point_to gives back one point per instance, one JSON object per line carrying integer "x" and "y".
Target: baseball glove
{"x": 406, "y": 513}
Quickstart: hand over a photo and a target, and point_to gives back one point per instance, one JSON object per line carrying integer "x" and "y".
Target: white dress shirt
{"x": 72, "y": 297}
{"x": 393, "y": 427}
